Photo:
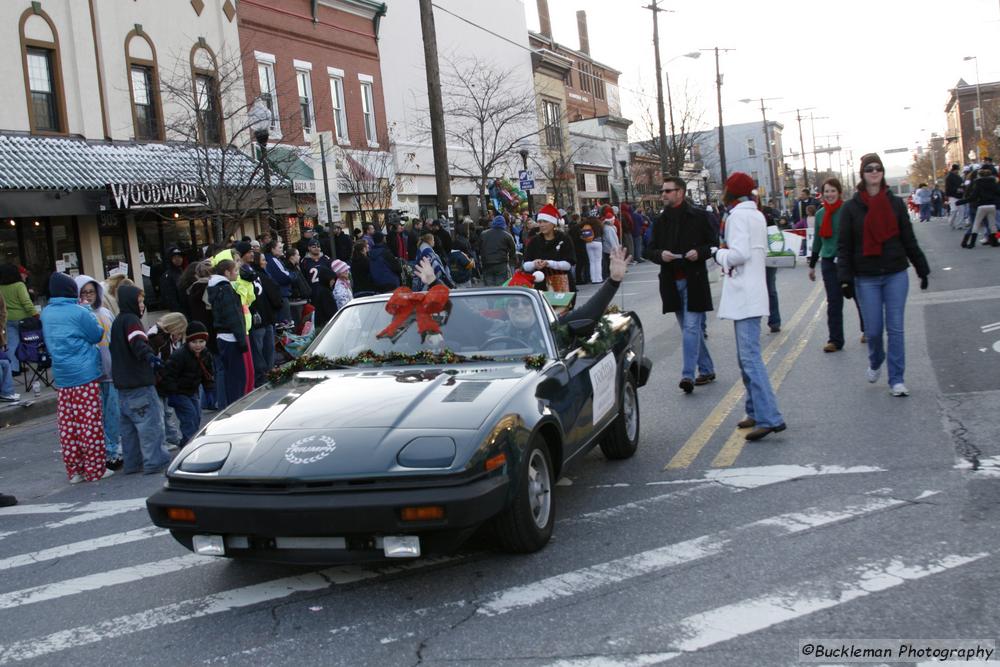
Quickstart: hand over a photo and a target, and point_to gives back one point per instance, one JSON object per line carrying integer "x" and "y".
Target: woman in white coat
{"x": 744, "y": 300}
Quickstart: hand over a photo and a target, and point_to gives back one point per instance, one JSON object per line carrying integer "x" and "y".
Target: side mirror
{"x": 552, "y": 384}
{"x": 581, "y": 327}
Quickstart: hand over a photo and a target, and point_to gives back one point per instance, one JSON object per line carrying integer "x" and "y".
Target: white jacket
{"x": 744, "y": 286}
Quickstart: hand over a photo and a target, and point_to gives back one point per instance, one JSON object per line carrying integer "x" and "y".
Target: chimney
{"x": 581, "y": 26}
{"x": 544, "y": 22}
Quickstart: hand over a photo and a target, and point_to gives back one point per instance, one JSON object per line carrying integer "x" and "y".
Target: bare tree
{"x": 928, "y": 169}
{"x": 491, "y": 115}
{"x": 369, "y": 175}
{"x": 207, "y": 120}
{"x": 556, "y": 165}
{"x": 677, "y": 149}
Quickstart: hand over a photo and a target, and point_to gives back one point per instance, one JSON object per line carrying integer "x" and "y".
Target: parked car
{"x": 381, "y": 452}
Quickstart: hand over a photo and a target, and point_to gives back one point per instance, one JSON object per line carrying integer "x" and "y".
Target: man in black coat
{"x": 342, "y": 244}
{"x": 954, "y": 189}
{"x": 683, "y": 239}
{"x": 173, "y": 267}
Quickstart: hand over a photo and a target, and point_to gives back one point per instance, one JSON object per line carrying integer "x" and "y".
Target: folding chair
{"x": 32, "y": 353}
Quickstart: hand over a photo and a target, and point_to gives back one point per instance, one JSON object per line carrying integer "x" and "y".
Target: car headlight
{"x": 427, "y": 452}
{"x": 206, "y": 458}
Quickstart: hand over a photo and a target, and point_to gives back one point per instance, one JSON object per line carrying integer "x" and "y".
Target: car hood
{"x": 411, "y": 398}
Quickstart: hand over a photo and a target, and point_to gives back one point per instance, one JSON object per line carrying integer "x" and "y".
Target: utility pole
{"x": 802, "y": 147}
{"x": 770, "y": 160}
{"x": 718, "y": 94}
{"x": 654, "y": 7}
{"x": 440, "y": 148}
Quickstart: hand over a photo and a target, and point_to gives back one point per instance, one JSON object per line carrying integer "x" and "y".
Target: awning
{"x": 68, "y": 164}
{"x": 287, "y": 162}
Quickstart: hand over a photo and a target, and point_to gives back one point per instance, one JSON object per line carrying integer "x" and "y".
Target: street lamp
{"x": 260, "y": 123}
{"x": 624, "y": 164}
{"x": 979, "y": 100}
{"x": 767, "y": 145}
{"x": 693, "y": 55}
{"x": 524, "y": 161}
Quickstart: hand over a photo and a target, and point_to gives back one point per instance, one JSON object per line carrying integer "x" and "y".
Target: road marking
{"x": 754, "y": 476}
{"x": 730, "y": 621}
{"x": 618, "y": 570}
{"x": 80, "y": 547}
{"x": 126, "y": 505}
{"x": 734, "y": 445}
{"x": 986, "y": 328}
{"x": 94, "y": 582}
{"x": 187, "y": 610}
{"x": 689, "y": 452}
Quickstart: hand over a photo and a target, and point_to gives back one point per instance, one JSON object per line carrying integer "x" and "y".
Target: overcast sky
{"x": 857, "y": 62}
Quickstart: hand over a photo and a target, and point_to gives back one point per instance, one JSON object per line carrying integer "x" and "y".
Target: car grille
{"x": 269, "y": 486}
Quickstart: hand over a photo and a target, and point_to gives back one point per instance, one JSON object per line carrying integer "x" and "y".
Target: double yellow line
{"x": 734, "y": 445}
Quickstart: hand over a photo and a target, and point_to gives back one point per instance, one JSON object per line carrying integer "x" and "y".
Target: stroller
{"x": 32, "y": 353}
{"x": 292, "y": 342}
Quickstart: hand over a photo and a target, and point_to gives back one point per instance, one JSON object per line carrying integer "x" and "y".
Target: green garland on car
{"x": 320, "y": 362}
{"x": 603, "y": 339}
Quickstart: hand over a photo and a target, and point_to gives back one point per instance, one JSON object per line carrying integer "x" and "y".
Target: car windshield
{"x": 490, "y": 325}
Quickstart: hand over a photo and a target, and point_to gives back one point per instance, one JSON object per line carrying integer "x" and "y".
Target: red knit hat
{"x": 739, "y": 185}
{"x": 548, "y": 213}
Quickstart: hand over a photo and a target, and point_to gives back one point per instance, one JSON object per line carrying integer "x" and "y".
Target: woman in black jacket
{"x": 360, "y": 270}
{"x": 230, "y": 334}
{"x": 264, "y": 310}
{"x": 875, "y": 248}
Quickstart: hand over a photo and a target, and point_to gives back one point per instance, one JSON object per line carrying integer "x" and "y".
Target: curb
{"x": 43, "y": 406}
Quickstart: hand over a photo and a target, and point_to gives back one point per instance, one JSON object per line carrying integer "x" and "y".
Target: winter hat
{"x": 525, "y": 279}
{"x": 499, "y": 222}
{"x": 174, "y": 251}
{"x": 242, "y": 247}
{"x": 313, "y": 242}
{"x": 548, "y": 213}
{"x": 607, "y": 213}
{"x": 867, "y": 159}
{"x": 62, "y": 285}
{"x": 339, "y": 266}
{"x": 739, "y": 185}
{"x": 196, "y": 331}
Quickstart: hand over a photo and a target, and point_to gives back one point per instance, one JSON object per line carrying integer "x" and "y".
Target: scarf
{"x": 880, "y": 223}
{"x": 826, "y": 227}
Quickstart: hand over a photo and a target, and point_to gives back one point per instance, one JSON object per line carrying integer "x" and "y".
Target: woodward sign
{"x": 154, "y": 195}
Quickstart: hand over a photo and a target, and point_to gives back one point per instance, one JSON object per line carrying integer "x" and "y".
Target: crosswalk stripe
{"x": 737, "y": 440}
{"x": 94, "y": 582}
{"x": 686, "y": 455}
{"x": 201, "y": 607}
{"x": 742, "y": 618}
{"x": 126, "y": 505}
{"x": 79, "y": 547}
{"x": 636, "y": 660}
{"x": 629, "y": 567}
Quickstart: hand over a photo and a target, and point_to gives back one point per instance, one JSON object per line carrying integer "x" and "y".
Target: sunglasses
{"x": 872, "y": 168}
{"x": 669, "y": 189}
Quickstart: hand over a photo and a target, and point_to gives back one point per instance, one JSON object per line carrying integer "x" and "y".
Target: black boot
{"x": 994, "y": 241}
{"x": 972, "y": 241}
{"x": 965, "y": 240}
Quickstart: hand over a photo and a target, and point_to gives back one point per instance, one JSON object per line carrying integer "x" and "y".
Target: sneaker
{"x": 76, "y": 479}
{"x": 872, "y": 374}
{"x": 899, "y": 389}
{"x": 831, "y": 347}
{"x": 115, "y": 463}
{"x": 10, "y": 398}
{"x": 687, "y": 384}
{"x": 704, "y": 378}
{"x": 108, "y": 472}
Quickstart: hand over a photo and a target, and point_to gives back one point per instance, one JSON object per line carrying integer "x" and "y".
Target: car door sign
{"x": 602, "y": 381}
{"x": 310, "y": 449}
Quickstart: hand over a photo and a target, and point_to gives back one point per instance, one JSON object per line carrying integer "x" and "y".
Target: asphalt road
{"x": 862, "y": 520}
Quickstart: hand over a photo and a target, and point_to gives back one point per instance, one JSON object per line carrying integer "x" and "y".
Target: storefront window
{"x": 9, "y": 249}
{"x": 64, "y": 242}
{"x": 113, "y": 249}
{"x": 202, "y": 237}
{"x": 34, "y": 240}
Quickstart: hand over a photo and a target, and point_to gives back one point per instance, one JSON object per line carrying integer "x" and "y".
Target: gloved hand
{"x": 257, "y": 319}
{"x": 923, "y": 283}
{"x": 156, "y": 362}
{"x": 847, "y": 289}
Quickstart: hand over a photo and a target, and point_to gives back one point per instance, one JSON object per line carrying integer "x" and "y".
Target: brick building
{"x": 315, "y": 64}
{"x": 964, "y": 119}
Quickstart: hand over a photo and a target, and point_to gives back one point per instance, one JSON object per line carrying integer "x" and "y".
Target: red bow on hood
{"x": 404, "y": 303}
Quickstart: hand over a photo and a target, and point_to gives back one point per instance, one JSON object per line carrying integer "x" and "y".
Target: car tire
{"x": 526, "y": 524}
{"x": 621, "y": 438}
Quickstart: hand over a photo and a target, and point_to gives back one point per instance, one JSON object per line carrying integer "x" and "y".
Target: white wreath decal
{"x": 299, "y": 453}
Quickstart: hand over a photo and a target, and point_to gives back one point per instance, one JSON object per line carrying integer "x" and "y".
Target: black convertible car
{"x": 402, "y": 431}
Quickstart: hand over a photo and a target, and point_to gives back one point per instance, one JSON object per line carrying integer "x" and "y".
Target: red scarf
{"x": 880, "y": 222}
{"x": 826, "y": 227}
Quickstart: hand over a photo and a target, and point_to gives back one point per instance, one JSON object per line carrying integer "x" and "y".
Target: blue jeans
{"x": 263, "y": 353}
{"x": 925, "y": 212}
{"x": 692, "y": 326}
{"x": 112, "y": 420}
{"x": 761, "y": 404}
{"x": 171, "y": 424}
{"x": 13, "y": 342}
{"x": 6, "y": 379}
{"x": 774, "y": 318}
{"x": 637, "y": 243}
{"x": 143, "y": 441}
{"x": 188, "y": 409}
{"x": 233, "y": 380}
{"x": 883, "y": 300}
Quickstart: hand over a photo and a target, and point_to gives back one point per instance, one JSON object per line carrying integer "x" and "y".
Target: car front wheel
{"x": 526, "y": 525}
{"x": 622, "y": 436}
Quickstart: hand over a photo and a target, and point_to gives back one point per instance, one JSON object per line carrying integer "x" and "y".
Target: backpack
{"x": 31, "y": 346}
{"x": 460, "y": 266}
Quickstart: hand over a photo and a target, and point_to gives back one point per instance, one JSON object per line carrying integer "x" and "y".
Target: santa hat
{"x": 548, "y": 213}
{"x": 339, "y": 266}
{"x": 739, "y": 185}
{"x": 525, "y": 279}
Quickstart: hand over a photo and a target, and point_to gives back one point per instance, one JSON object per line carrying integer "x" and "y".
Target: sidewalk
{"x": 28, "y": 407}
